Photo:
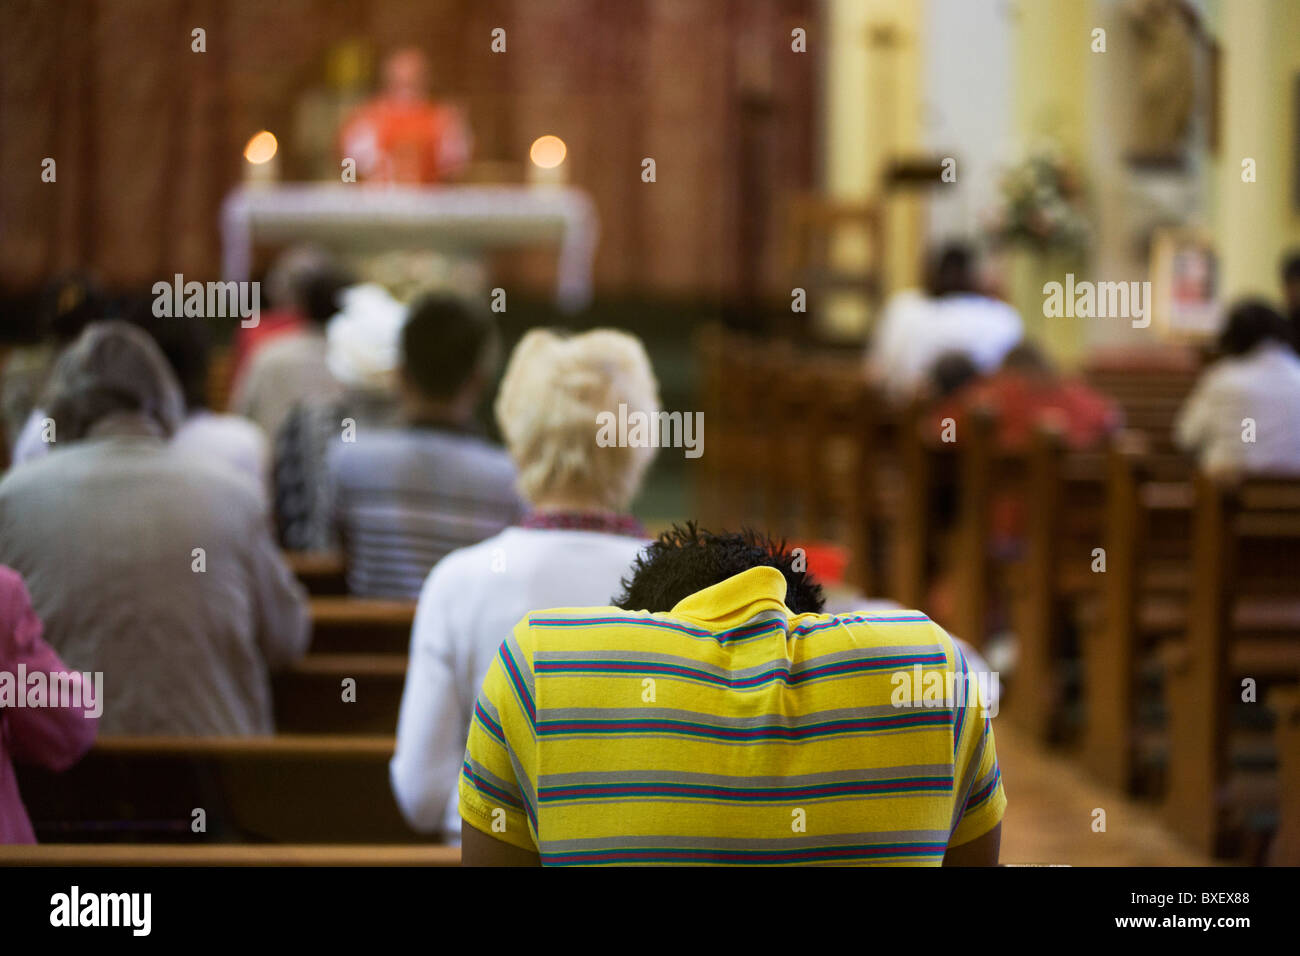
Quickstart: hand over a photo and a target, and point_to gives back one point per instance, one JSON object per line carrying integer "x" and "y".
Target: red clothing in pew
{"x": 49, "y": 736}
{"x": 1021, "y": 402}
{"x": 1083, "y": 415}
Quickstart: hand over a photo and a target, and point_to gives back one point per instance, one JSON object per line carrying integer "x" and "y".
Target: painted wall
{"x": 967, "y": 77}
{"x": 1256, "y": 222}
{"x": 871, "y": 100}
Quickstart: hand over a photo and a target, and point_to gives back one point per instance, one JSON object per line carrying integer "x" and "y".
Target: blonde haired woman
{"x": 572, "y": 549}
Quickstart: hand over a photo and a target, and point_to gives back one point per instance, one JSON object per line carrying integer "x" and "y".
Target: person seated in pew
{"x": 229, "y": 439}
{"x": 285, "y": 303}
{"x": 573, "y": 548}
{"x": 54, "y": 734}
{"x": 1028, "y": 390}
{"x": 362, "y": 351}
{"x": 292, "y": 367}
{"x": 714, "y": 715}
{"x": 952, "y": 314}
{"x": 407, "y": 496}
{"x": 146, "y": 561}
{"x": 1025, "y": 392}
{"x": 1241, "y": 416}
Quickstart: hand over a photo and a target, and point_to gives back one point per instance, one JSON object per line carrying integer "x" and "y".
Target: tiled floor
{"x": 1049, "y": 818}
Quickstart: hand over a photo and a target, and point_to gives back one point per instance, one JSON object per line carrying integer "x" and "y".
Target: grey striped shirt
{"x": 406, "y": 497}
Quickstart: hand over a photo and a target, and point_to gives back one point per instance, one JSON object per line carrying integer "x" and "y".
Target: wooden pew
{"x": 1147, "y": 539}
{"x": 320, "y": 572}
{"x": 309, "y": 696}
{"x": 225, "y": 854}
{"x": 1064, "y": 525}
{"x": 1149, "y": 392}
{"x": 1244, "y": 622}
{"x": 801, "y": 443}
{"x": 928, "y": 480}
{"x": 1150, "y": 399}
{"x": 878, "y": 488}
{"x": 1285, "y": 704}
{"x": 346, "y": 625}
{"x": 787, "y": 468}
{"x": 711, "y": 343}
{"x": 840, "y": 432}
{"x": 989, "y": 475}
{"x": 284, "y": 789}
{"x": 739, "y": 385}
{"x": 832, "y": 463}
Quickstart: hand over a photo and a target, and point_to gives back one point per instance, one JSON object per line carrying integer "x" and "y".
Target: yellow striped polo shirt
{"x": 729, "y": 730}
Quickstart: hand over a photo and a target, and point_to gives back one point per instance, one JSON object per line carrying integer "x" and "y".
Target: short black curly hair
{"x": 686, "y": 559}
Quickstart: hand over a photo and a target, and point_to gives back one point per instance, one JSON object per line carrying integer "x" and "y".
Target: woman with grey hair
{"x": 147, "y": 563}
{"x": 571, "y": 550}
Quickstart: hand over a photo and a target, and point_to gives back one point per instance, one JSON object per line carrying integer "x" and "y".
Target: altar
{"x": 452, "y": 219}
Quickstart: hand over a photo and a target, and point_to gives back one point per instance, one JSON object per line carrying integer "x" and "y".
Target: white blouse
{"x": 469, "y": 604}
{"x": 1244, "y": 413}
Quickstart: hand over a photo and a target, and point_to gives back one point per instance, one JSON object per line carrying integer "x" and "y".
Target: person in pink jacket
{"x": 54, "y": 734}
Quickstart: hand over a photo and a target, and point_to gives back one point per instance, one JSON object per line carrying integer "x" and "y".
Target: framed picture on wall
{"x": 1185, "y": 302}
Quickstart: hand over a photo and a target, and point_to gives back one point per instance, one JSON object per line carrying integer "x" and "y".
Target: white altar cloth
{"x": 438, "y": 217}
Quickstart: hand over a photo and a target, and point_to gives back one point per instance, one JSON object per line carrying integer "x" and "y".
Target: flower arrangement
{"x": 1042, "y": 206}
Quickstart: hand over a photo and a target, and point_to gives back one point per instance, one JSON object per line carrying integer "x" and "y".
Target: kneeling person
{"x": 715, "y": 716}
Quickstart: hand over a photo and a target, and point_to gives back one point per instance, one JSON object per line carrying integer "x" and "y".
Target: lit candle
{"x": 261, "y": 167}
{"x": 547, "y": 156}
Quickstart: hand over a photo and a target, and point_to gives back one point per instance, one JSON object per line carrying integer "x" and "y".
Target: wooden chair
{"x": 812, "y": 223}
{"x": 284, "y": 789}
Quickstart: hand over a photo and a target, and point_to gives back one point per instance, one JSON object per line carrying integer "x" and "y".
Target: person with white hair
{"x": 572, "y": 549}
{"x": 146, "y": 562}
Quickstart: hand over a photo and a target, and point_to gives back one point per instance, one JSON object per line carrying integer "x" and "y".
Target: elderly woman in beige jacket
{"x": 145, "y": 561}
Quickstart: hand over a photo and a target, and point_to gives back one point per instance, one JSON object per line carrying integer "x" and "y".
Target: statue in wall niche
{"x": 1164, "y": 57}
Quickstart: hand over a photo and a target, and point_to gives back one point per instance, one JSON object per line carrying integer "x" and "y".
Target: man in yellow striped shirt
{"x": 714, "y": 716}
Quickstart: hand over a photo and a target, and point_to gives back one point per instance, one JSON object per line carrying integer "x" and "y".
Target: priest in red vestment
{"x": 403, "y": 136}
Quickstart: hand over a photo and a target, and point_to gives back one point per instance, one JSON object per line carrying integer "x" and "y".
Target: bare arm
{"x": 981, "y": 851}
{"x": 479, "y": 849}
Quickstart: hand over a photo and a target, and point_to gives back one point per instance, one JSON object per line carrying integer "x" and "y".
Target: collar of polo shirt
{"x": 738, "y": 598}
